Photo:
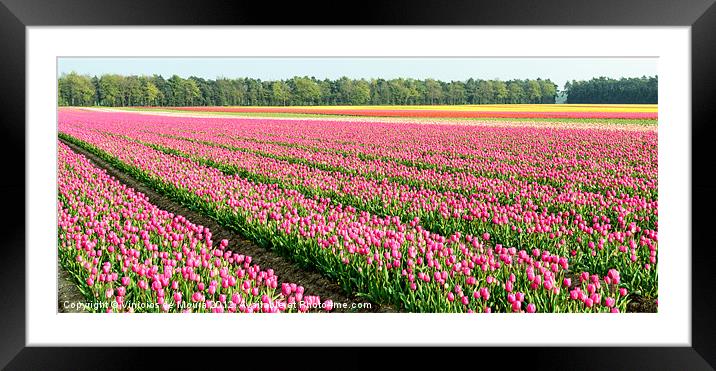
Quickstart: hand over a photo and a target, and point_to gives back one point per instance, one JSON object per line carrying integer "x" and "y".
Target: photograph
{"x": 246, "y": 184}
{"x": 470, "y": 185}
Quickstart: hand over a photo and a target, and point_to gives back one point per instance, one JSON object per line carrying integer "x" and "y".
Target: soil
{"x": 640, "y": 304}
{"x": 68, "y": 296}
{"x": 313, "y": 282}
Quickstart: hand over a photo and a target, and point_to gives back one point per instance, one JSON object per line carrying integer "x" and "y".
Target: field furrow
{"x": 128, "y": 255}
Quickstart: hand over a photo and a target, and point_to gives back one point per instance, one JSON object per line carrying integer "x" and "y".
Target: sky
{"x": 559, "y": 70}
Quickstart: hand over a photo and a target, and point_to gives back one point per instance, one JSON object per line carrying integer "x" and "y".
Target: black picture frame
{"x": 16, "y": 15}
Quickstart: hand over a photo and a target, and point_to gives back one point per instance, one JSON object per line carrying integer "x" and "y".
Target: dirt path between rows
{"x": 287, "y": 271}
{"x": 69, "y": 298}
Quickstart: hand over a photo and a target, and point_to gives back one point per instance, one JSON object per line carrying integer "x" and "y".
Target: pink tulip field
{"x": 127, "y": 250}
{"x": 424, "y": 216}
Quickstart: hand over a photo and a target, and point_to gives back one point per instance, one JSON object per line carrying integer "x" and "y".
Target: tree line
{"x": 606, "y": 90}
{"x": 117, "y": 90}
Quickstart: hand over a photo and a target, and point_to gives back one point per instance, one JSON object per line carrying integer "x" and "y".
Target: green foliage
{"x": 281, "y": 92}
{"x": 500, "y": 90}
{"x": 640, "y": 90}
{"x": 126, "y": 91}
{"x": 76, "y": 90}
{"x": 306, "y": 91}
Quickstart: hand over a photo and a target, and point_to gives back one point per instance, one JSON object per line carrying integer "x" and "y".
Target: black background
{"x": 16, "y": 14}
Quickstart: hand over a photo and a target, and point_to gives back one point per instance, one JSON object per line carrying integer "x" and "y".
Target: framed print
{"x": 472, "y": 175}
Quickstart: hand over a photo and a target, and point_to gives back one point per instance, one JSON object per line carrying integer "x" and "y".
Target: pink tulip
{"x": 609, "y": 302}
{"x": 485, "y": 293}
{"x": 358, "y": 165}
{"x": 516, "y": 306}
{"x": 328, "y": 305}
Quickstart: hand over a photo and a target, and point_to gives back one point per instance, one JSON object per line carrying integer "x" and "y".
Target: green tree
{"x": 254, "y": 91}
{"x": 229, "y": 92}
{"x": 281, "y": 92}
{"x": 178, "y": 94}
{"x": 485, "y": 92}
{"x": 500, "y": 89}
{"x": 307, "y": 91}
{"x": 76, "y": 90}
{"x": 549, "y": 91}
{"x": 192, "y": 93}
{"x": 164, "y": 90}
{"x": 456, "y": 92}
{"x": 399, "y": 91}
{"x": 131, "y": 91}
{"x": 207, "y": 91}
{"x": 360, "y": 94}
{"x": 118, "y": 90}
{"x": 534, "y": 91}
{"x": 110, "y": 91}
{"x": 637, "y": 90}
{"x": 326, "y": 88}
{"x": 413, "y": 90}
{"x": 151, "y": 93}
{"x": 515, "y": 92}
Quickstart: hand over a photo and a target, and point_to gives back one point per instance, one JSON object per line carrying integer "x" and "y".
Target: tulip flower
{"x": 442, "y": 213}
